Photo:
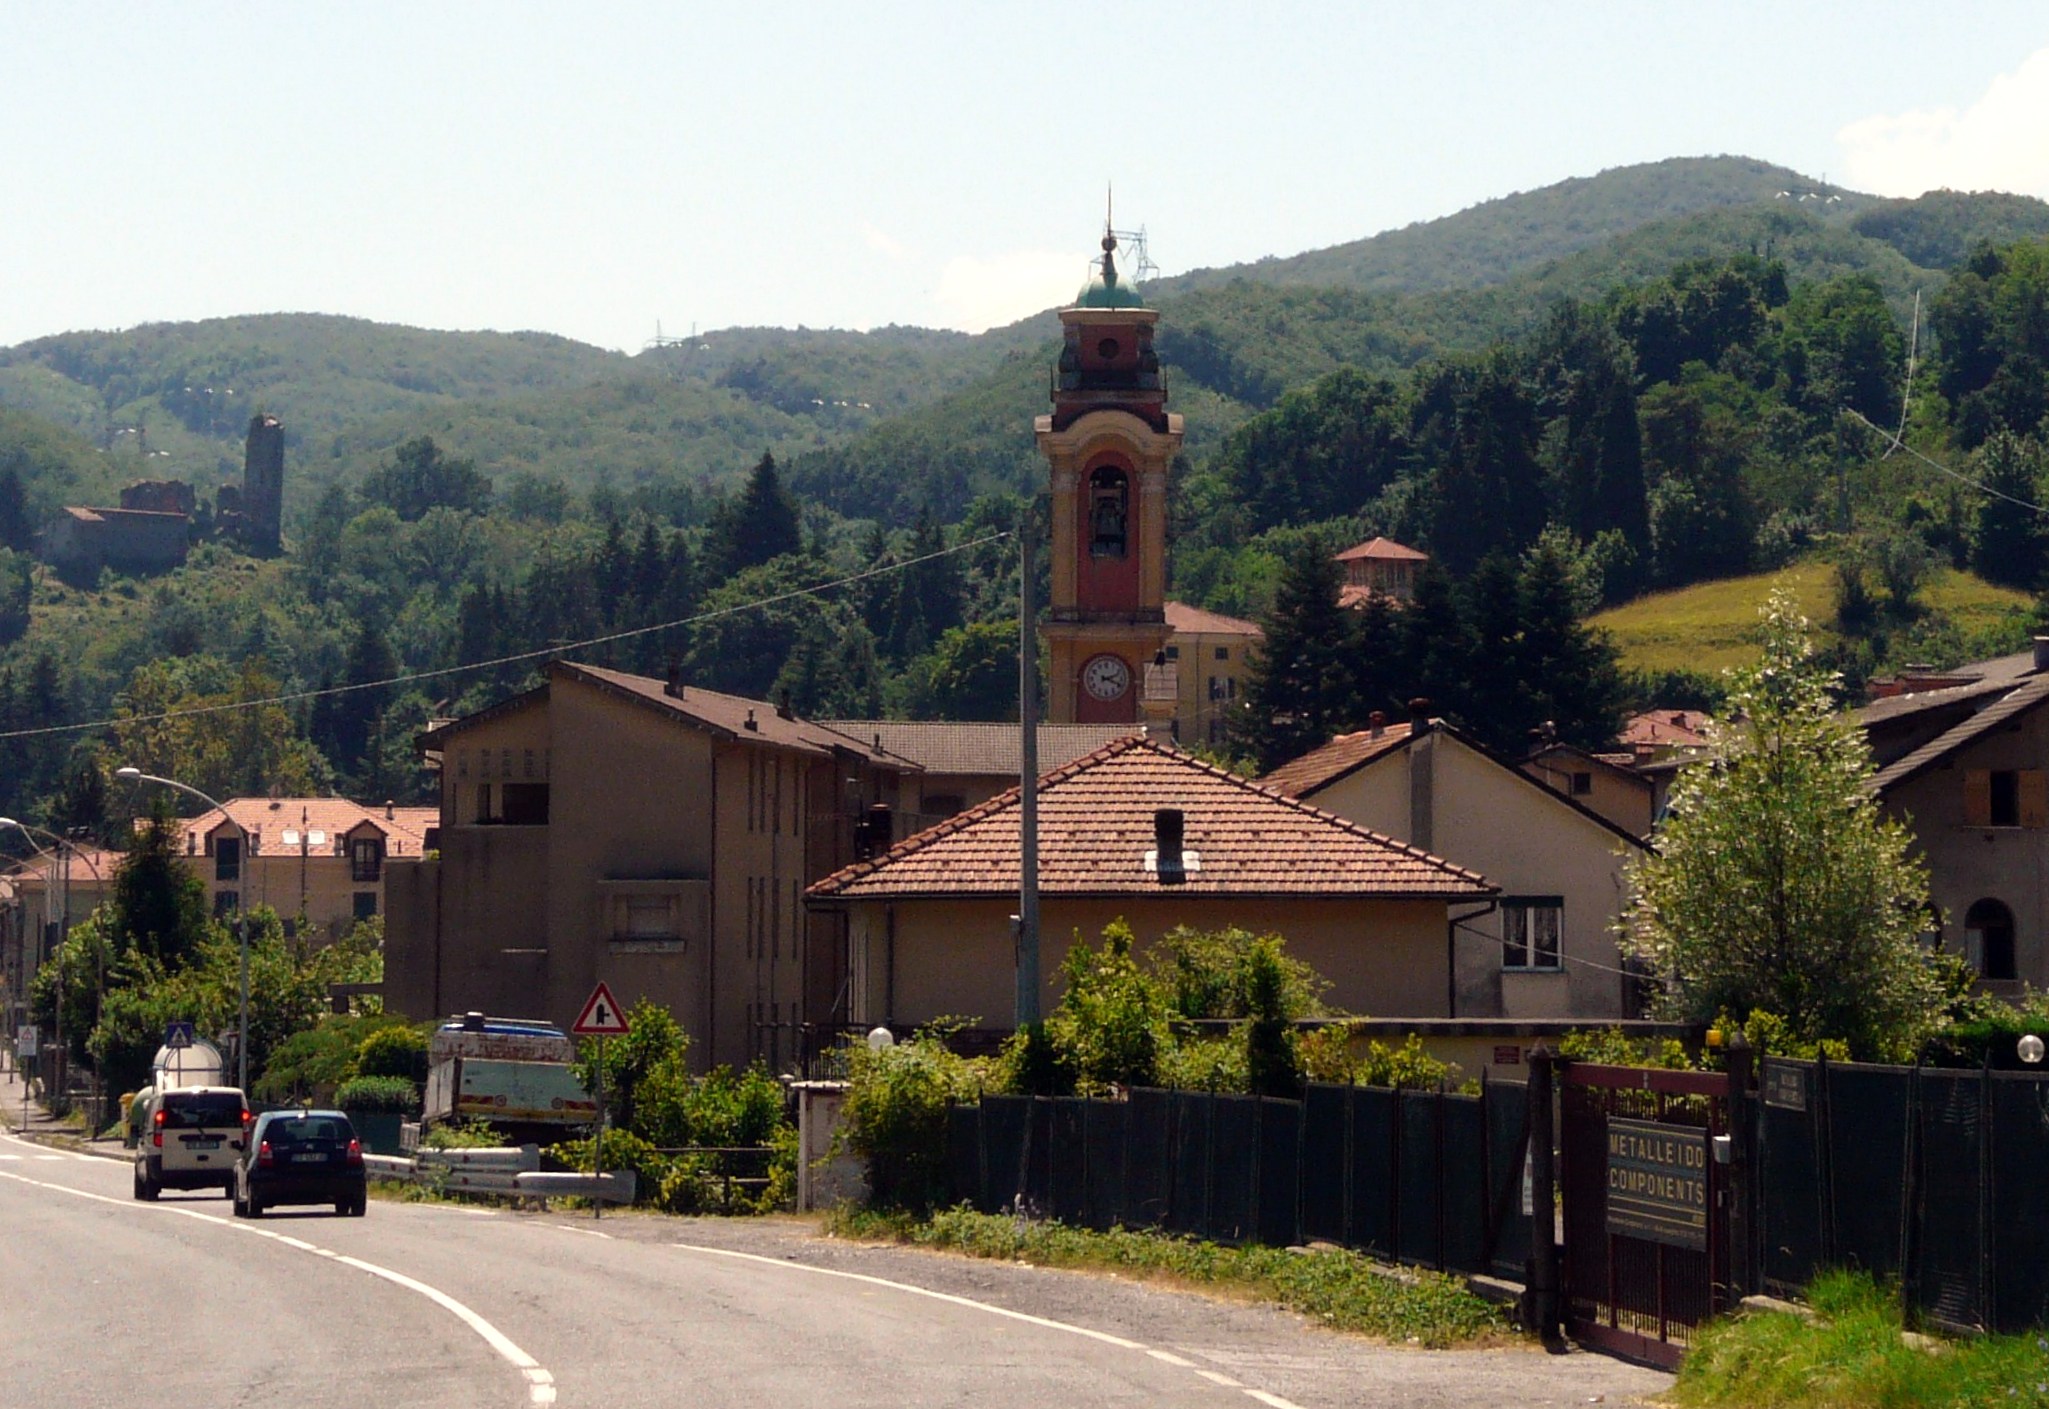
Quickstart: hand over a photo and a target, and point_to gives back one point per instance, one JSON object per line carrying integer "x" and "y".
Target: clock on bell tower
{"x": 1108, "y": 443}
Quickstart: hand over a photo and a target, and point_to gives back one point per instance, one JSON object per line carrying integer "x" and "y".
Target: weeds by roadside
{"x": 1852, "y": 1354}
{"x": 1339, "y": 1288}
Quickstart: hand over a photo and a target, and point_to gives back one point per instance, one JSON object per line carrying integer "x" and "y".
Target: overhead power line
{"x": 516, "y": 658}
{"x": 1895, "y": 443}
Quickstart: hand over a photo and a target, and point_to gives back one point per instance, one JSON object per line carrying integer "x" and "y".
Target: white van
{"x": 191, "y": 1138}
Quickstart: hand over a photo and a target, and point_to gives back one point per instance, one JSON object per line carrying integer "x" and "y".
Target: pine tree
{"x": 2011, "y": 546}
{"x": 16, "y": 531}
{"x": 1566, "y": 672}
{"x": 759, "y": 526}
{"x": 1300, "y": 690}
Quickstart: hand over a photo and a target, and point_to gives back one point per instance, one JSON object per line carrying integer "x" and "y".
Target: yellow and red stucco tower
{"x": 1109, "y": 443}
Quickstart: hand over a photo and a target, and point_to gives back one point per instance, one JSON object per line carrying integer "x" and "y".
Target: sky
{"x": 599, "y": 170}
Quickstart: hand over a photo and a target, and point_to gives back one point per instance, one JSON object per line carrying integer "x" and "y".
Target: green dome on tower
{"x": 1104, "y": 288}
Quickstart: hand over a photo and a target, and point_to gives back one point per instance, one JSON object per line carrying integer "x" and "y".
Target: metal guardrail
{"x": 514, "y": 1170}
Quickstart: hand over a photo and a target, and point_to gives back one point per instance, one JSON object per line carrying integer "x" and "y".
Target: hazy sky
{"x": 591, "y": 169}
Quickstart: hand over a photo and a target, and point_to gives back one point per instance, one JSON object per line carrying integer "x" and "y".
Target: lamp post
{"x": 136, "y": 775}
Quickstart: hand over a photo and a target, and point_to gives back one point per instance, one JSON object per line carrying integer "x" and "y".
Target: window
{"x": 227, "y": 858}
{"x": 1582, "y": 784}
{"x": 366, "y": 858}
{"x": 1223, "y": 653}
{"x": 1988, "y": 939}
{"x": 365, "y": 904}
{"x": 226, "y": 902}
{"x": 1109, "y": 512}
{"x": 1530, "y": 930}
{"x": 2006, "y": 797}
{"x": 1173, "y": 653}
{"x": 649, "y": 917}
{"x": 526, "y": 804}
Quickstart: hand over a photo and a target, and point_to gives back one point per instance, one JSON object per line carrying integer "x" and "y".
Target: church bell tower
{"x": 1109, "y": 443}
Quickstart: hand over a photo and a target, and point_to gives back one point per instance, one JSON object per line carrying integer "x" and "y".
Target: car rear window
{"x": 306, "y": 1130}
{"x": 207, "y": 1108}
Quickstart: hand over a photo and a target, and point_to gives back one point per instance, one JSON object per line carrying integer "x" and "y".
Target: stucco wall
{"x": 1522, "y": 838}
{"x": 919, "y": 960}
{"x": 1967, "y": 863}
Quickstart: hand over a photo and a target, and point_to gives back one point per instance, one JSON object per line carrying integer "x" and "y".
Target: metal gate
{"x": 1645, "y": 1201}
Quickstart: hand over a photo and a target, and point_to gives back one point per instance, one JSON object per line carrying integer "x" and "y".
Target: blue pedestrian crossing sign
{"x": 178, "y": 1035}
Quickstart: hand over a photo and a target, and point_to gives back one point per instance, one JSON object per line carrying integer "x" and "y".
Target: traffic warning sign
{"x": 601, "y": 1016}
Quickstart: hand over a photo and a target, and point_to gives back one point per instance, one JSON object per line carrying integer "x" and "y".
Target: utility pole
{"x": 1028, "y": 777}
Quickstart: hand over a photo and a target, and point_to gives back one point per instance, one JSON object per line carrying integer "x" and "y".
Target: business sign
{"x": 1785, "y": 1086}
{"x": 1658, "y": 1182}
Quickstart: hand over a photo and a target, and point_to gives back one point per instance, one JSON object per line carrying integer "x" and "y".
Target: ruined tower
{"x": 263, "y": 485}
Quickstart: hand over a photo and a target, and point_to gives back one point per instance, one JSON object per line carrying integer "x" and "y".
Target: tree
{"x": 971, "y": 673}
{"x": 1776, "y": 885}
{"x": 17, "y": 531}
{"x": 419, "y": 477}
{"x": 2011, "y": 546}
{"x": 758, "y": 526}
{"x": 17, "y": 591}
{"x": 158, "y": 905}
{"x": 1300, "y": 690}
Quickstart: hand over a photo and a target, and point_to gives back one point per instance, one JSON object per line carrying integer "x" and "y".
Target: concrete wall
{"x": 1971, "y": 863}
{"x": 917, "y": 960}
{"x": 1490, "y": 819}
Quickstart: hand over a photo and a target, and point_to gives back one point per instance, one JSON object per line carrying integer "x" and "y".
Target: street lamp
{"x": 136, "y": 775}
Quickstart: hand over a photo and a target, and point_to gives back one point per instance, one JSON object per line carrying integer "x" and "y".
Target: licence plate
{"x": 309, "y": 1159}
{"x": 202, "y": 1144}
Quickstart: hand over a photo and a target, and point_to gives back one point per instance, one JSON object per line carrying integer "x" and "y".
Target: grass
{"x": 1341, "y": 1289}
{"x": 1854, "y": 1358}
{"x": 1712, "y": 625}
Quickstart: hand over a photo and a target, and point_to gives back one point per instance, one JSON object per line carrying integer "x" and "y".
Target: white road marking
{"x": 587, "y": 1232}
{"x": 540, "y": 1384}
{"x": 1272, "y": 1401}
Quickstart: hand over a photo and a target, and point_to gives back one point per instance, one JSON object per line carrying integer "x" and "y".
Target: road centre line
{"x": 540, "y": 1384}
{"x": 1272, "y": 1401}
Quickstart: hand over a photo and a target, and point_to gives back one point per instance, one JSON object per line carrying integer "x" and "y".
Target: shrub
{"x": 394, "y": 1094}
{"x": 896, "y": 1112}
{"x": 475, "y": 1133}
{"x": 324, "y": 1055}
{"x": 1611, "y": 1046}
{"x": 1111, "y": 1025}
{"x": 394, "y": 1051}
{"x": 1207, "y": 974}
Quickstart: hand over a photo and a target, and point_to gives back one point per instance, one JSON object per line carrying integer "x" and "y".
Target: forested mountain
{"x": 1641, "y": 380}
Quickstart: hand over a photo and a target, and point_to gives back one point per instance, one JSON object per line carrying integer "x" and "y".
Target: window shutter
{"x": 2034, "y": 798}
{"x": 1978, "y": 798}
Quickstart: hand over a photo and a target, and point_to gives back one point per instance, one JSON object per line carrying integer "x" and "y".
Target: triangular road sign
{"x": 601, "y": 1016}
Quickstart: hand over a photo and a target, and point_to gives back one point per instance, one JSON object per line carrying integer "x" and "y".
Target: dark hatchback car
{"x": 301, "y": 1157}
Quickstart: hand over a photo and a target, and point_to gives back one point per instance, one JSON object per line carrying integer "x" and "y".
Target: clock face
{"x": 1106, "y": 677}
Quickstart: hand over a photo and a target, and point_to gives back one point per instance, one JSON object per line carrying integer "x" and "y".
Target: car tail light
{"x": 247, "y": 1119}
{"x": 157, "y": 1139}
{"x": 355, "y": 1152}
{"x": 160, "y": 1120}
{"x": 263, "y": 1155}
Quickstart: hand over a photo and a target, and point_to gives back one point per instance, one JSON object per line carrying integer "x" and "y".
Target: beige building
{"x": 1966, "y": 768}
{"x": 1605, "y": 783}
{"x": 654, "y": 836}
{"x": 1142, "y": 832}
{"x": 37, "y": 897}
{"x": 1212, "y": 658}
{"x": 320, "y": 860}
{"x": 1547, "y": 950}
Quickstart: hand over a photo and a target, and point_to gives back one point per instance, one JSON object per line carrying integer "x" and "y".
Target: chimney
{"x": 1419, "y": 715}
{"x": 390, "y": 810}
{"x": 1169, "y": 827}
{"x": 674, "y": 689}
{"x": 782, "y": 703}
{"x": 1376, "y": 723}
{"x": 2042, "y": 653}
{"x": 751, "y": 724}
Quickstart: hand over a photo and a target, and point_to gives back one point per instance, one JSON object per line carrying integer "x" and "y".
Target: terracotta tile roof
{"x": 318, "y": 825}
{"x": 1321, "y": 767}
{"x": 1096, "y": 826}
{"x": 1197, "y": 622}
{"x": 2018, "y": 701}
{"x": 1892, "y": 708}
{"x": 732, "y": 716}
{"x": 1666, "y": 728}
{"x": 1384, "y": 550}
{"x": 87, "y": 861}
{"x": 978, "y": 750}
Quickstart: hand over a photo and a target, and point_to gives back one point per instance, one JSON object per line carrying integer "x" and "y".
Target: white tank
{"x": 196, "y": 1065}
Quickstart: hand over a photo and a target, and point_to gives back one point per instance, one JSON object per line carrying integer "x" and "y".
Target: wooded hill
{"x": 1640, "y": 377}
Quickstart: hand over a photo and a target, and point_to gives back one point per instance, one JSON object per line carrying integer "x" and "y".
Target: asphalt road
{"x": 178, "y": 1303}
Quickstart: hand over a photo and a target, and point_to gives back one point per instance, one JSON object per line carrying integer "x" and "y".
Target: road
{"x": 426, "y": 1304}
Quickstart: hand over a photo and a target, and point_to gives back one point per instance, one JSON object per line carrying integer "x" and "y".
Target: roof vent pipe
{"x": 2042, "y": 653}
{"x": 751, "y": 724}
{"x": 1419, "y": 715}
{"x": 1376, "y": 723}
